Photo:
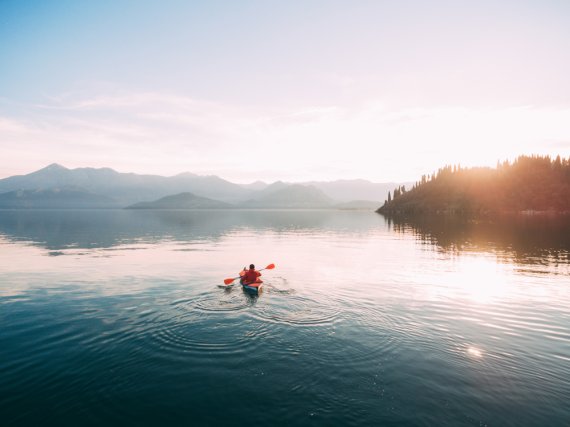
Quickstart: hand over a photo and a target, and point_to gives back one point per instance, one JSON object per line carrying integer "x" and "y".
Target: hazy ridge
{"x": 56, "y": 186}
{"x": 182, "y": 201}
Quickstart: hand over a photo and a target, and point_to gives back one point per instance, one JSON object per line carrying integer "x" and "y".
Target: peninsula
{"x": 529, "y": 184}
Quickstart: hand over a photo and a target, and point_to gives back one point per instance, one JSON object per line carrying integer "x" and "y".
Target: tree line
{"x": 530, "y": 183}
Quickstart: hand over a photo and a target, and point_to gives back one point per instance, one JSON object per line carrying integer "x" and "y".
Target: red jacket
{"x": 250, "y": 276}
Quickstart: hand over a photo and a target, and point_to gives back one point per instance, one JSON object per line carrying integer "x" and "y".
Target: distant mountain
{"x": 255, "y": 186}
{"x": 54, "y": 198}
{"x": 269, "y": 189}
{"x": 182, "y": 201}
{"x": 294, "y": 196}
{"x": 355, "y": 189}
{"x": 126, "y": 188}
{"x": 340, "y": 190}
{"x": 209, "y": 186}
{"x": 358, "y": 205}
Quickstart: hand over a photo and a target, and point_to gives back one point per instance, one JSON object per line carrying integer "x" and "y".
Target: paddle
{"x": 269, "y": 267}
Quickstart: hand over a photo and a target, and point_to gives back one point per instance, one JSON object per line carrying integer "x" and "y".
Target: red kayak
{"x": 255, "y": 287}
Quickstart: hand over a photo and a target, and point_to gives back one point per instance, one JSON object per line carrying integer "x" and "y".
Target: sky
{"x": 282, "y": 90}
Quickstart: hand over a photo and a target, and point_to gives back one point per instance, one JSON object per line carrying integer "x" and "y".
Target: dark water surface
{"x": 116, "y": 318}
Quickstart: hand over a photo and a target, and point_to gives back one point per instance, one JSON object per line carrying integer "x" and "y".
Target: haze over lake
{"x": 151, "y": 150}
{"x": 115, "y": 317}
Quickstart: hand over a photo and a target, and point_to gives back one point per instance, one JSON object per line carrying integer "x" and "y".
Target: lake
{"x": 116, "y": 317}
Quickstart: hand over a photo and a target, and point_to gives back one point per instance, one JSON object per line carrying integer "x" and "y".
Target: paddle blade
{"x": 270, "y": 267}
{"x": 228, "y": 281}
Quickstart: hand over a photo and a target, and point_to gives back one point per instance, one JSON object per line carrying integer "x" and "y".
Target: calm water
{"x": 116, "y": 318}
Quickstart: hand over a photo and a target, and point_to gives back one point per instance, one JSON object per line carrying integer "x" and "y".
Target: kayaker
{"x": 251, "y": 275}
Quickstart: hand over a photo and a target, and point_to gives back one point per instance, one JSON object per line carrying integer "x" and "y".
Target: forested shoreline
{"x": 529, "y": 184}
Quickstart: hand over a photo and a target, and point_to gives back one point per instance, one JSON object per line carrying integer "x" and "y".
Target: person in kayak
{"x": 250, "y": 276}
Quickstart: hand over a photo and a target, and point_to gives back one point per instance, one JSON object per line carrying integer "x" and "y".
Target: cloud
{"x": 154, "y": 132}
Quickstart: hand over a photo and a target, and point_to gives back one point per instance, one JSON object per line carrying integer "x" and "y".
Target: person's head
{"x": 251, "y": 267}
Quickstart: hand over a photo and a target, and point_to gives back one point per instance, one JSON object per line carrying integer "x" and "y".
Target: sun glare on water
{"x": 474, "y": 352}
{"x": 479, "y": 279}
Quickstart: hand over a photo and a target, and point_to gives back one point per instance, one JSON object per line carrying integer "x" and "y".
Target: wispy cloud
{"x": 163, "y": 133}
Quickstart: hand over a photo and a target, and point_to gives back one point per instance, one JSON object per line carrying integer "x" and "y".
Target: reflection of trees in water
{"x": 527, "y": 239}
{"x": 60, "y": 229}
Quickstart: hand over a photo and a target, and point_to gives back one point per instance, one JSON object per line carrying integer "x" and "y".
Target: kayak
{"x": 254, "y": 287}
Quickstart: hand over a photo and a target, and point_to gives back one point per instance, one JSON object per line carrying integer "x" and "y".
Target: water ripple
{"x": 298, "y": 310}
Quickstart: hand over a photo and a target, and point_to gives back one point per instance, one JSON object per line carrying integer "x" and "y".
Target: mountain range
{"x": 56, "y": 186}
{"x": 182, "y": 201}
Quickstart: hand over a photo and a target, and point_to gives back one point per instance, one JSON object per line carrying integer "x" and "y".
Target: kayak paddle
{"x": 269, "y": 267}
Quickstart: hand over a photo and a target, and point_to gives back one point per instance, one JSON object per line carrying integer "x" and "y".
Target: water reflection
{"x": 88, "y": 229}
{"x": 360, "y": 324}
{"x": 524, "y": 239}
{"x": 530, "y": 240}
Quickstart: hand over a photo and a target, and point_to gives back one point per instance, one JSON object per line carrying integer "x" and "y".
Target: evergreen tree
{"x": 536, "y": 183}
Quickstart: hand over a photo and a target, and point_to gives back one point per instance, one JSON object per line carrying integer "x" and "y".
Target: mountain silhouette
{"x": 295, "y": 196}
{"x": 182, "y": 201}
{"x": 105, "y": 187}
{"x": 125, "y": 188}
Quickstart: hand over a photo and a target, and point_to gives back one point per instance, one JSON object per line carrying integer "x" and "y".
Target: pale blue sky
{"x": 383, "y": 90}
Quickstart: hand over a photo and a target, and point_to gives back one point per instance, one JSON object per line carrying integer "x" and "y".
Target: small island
{"x": 181, "y": 201}
{"x": 530, "y": 184}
